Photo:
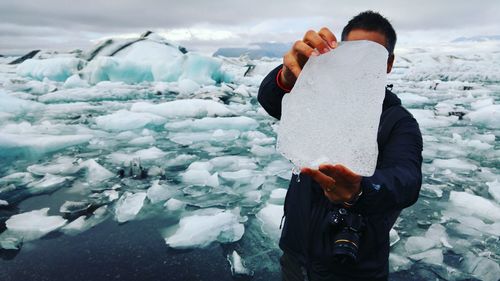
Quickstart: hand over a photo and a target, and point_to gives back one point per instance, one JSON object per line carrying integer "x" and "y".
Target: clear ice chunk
{"x": 332, "y": 113}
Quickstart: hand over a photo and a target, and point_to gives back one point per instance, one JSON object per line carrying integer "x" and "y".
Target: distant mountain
{"x": 256, "y": 50}
{"x": 478, "y": 38}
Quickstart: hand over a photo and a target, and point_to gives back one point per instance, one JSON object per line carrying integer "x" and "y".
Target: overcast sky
{"x": 207, "y": 25}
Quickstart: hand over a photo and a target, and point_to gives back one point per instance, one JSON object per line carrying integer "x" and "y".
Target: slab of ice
{"x": 332, "y": 113}
{"x": 124, "y": 120}
{"x": 183, "y": 108}
{"x": 35, "y": 224}
{"x": 129, "y": 205}
{"x": 201, "y": 229}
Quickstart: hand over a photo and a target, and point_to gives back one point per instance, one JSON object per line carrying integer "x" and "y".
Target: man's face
{"x": 361, "y": 34}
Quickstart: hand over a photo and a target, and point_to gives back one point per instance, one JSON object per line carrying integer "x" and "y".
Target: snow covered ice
{"x": 332, "y": 113}
{"x": 186, "y": 145}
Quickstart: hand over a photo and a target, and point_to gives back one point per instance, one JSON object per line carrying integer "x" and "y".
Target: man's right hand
{"x": 313, "y": 44}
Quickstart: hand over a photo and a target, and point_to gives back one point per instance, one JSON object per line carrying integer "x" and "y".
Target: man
{"x": 310, "y": 250}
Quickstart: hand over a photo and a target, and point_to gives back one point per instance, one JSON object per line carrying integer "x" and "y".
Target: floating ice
{"x": 10, "y": 242}
{"x": 82, "y": 223}
{"x": 4, "y": 203}
{"x": 159, "y": 192}
{"x": 334, "y": 109}
{"x": 183, "y": 108}
{"x": 35, "y": 224}
{"x": 129, "y": 205}
{"x": 409, "y": 99}
{"x": 57, "y": 69}
{"x": 475, "y": 205}
{"x": 271, "y": 216}
{"x": 148, "y": 154}
{"x": 434, "y": 256}
{"x": 75, "y": 81}
{"x": 393, "y": 237}
{"x": 454, "y": 164}
{"x": 37, "y": 144}
{"x": 487, "y": 116}
{"x": 12, "y": 104}
{"x": 48, "y": 183}
{"x": 210, "y": 225}
{"x": 237, "y": 266}
{"x": 62, "y": 166}
{"x": 124, "y": 120}
{"x": 74, "y": 209}
{"x": 174, "y": 205}
{"x": 418, "y": 244}
{"x": 398, "y": 262}
{"x": 482, "y": 268}
{"x": 95, "y": 172}
{"x": 494, "y": 190}
{"x": 212, "y": 123}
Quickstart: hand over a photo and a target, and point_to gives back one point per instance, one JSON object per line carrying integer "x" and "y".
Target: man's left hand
{"x": 339, "y": 183}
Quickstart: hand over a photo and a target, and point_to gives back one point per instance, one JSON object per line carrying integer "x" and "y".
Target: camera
{"x": 346, "y": 229}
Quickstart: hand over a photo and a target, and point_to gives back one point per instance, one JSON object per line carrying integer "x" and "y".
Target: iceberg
{"x": 57, "y": 69}
{"x": 335, "y": 93}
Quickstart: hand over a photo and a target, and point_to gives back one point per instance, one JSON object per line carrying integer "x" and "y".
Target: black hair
{"x": 372, "y": 21}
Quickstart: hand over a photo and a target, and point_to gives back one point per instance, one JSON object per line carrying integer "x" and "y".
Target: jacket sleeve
{"x": 397, "y": 180}
{"x": 270, "y": 94}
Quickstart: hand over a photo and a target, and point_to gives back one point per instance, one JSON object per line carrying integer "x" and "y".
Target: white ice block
{"x": 333, "y": 112}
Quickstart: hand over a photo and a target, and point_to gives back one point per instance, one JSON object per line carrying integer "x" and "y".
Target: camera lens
{"x": 345, "y": 247}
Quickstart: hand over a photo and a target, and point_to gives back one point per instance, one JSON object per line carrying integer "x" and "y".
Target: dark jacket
{"x": 395, "y": 185}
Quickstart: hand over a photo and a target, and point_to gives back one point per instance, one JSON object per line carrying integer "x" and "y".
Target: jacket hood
{"x": 390, "y": 100}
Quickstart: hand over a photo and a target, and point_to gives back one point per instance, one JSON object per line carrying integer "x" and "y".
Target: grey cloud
{"x": 78, "y": 20}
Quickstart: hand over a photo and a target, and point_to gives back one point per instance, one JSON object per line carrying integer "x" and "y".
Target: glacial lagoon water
{"x": 179, "y": 179}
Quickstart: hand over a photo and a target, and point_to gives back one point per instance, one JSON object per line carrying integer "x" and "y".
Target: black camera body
{"x": 346, "y": 228}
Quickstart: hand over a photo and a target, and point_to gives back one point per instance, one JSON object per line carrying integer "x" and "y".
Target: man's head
{"x": 372, "y": 26}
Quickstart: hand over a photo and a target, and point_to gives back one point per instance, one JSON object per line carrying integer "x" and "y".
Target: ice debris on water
{"x": 318, "y": 118}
